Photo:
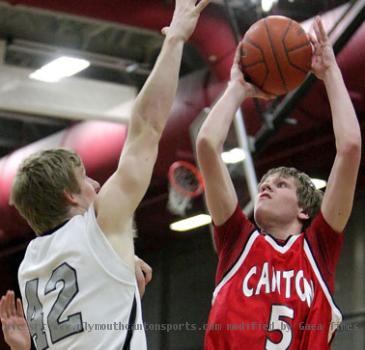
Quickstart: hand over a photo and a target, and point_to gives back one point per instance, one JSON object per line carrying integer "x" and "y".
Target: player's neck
{"x": 75, "y": 210}
{"x": 283, "y": 231}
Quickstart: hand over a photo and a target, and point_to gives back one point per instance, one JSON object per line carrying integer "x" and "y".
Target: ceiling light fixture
{"x": 233, "y": 156}
{"x": 318, "y": 183}
{"x": 191, "y": 223}
{"x": 267, "y": 5}
{"x": 60, "y": 68}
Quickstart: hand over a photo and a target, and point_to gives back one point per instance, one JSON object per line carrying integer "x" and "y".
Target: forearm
{"x": 216, "y": 126}
{"x": 345, "y": 124}
{"x": 154, "y": 102}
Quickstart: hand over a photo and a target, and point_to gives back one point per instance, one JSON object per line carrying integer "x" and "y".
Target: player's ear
{"x": 71, "y": 198}
{"x": 303, "y": 215}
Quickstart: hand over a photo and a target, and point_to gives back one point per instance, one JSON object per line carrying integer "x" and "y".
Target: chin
{"x": 258, "y": 217}
{"x": 262, "y": 215}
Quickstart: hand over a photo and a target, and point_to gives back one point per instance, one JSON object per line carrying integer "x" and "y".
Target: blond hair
{"x": 309, "y": 198}
{"x": 39, "y": 186}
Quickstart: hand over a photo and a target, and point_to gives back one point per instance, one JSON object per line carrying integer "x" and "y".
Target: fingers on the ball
{"x": 312, "y": 39}
{"x": 316, "y": 30}
{"x": 321, "y": 29}
{"x": 202, "y": 5}
{"x": 238, "y": 55}
{"x": 268, "y": 96}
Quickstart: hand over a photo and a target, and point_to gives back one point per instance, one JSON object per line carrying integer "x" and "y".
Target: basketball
{"x": 276, "y": 54}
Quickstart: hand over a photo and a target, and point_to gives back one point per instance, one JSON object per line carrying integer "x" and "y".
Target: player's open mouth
{"x": 265, "y": 195}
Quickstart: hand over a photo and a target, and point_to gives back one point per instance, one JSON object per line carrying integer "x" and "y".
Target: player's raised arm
{"x": 122, "y": 193}
{"x": 339, "y": 195}
{"x": 219, "y": 191}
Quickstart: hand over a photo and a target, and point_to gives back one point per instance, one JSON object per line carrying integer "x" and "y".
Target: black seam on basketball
{"x": 291, "y": 50}
{"x": 252, "y": 64}
{"x": 283, "y": 40}
{"x": 264, "y": 61}
{"x": 274, "y": 54}
{"x": 296, "y": 66}
{"x": 297, "y": 47}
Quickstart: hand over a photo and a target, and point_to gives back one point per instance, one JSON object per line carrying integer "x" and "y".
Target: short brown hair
{"x": 309, "y": 198}
{"x": 39, "y": 185}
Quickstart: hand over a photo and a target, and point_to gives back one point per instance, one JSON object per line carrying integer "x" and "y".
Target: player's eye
{"x": 282, "y": 184}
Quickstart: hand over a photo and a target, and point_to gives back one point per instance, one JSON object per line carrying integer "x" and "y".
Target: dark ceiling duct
{"x": 100, "y": 143}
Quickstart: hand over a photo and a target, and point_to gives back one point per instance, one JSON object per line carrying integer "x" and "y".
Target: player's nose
{"x": 95, "y": 185}
{"x": 266, "y": 187}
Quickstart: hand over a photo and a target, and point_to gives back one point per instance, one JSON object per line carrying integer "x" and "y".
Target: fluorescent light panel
{"x": 267, "y": 5}
{"x": 319, "y": 183}
{"x": 191, "y": 223}
{"x": 60, "y": 68}
{"x": 233, "y": 156}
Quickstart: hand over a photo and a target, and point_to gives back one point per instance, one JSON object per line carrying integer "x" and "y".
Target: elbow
{"x": 205, "y": 144}
{"x": 351, "y": 148}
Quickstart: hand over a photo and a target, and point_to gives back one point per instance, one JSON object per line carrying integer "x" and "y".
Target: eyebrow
{"x": 285, "y": 179}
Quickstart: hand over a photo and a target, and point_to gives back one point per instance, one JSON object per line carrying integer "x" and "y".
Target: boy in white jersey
{"x": 77, "y": 278}
{"x": 14, "y": 325}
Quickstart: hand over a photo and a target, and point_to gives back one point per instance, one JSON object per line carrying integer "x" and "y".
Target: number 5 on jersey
{"x": 277, "y": 324}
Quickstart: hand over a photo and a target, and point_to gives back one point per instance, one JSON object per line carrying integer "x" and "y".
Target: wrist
{"x": 333, "y": 72}
{"x": 236, "y": 88}
{"x": 174, "y": 38}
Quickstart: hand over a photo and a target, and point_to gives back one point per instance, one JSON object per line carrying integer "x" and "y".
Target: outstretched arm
{"x": 121, "y": 194}
{"x": 220, "y": 194}
{"x": 14, "y": 325}
{"x": 338, "y": 198}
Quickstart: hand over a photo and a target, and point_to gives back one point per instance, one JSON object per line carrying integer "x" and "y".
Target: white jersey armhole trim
{"x": 237, "y": 265}
{"x": 104, "y": 253}
{"x": 336, "y": 313}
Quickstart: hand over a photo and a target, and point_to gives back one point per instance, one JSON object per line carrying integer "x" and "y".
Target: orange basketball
{"x": 276, "y": 54}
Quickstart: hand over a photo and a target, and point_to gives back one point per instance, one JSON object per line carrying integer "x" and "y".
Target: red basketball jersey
{"x": 270, "y": 294}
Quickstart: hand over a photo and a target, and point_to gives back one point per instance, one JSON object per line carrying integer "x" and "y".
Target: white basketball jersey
{"x": 77, "y": 293}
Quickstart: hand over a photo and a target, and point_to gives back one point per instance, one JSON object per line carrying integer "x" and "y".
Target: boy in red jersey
{"x": 273, "y": 286}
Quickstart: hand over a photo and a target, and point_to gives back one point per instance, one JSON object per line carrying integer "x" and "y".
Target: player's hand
{"x": 143, "y": 274}
{"x": 14, "y": 325}
{"x": 238, "y": 79}
{"x": 185, "y": 18}
{"x": 323, "y": 57}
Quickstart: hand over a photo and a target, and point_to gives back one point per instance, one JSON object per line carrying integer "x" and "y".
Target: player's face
{"x": 277, "y": 202}
{"x": 88, "y": 188}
